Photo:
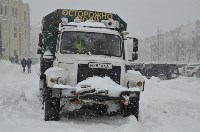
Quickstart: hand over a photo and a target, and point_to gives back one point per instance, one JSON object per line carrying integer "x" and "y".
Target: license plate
{"x": 100, "y": 65}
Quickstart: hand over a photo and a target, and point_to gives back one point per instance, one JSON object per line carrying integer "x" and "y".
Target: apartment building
{"x": 14, "y": 29}
{"x": 181, "y": 44}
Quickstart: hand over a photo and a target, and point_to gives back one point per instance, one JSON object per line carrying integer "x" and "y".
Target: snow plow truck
{"x": 79, "y": 44}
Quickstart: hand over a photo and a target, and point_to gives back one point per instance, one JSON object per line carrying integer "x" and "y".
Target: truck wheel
{"x": 131, "y": 109}
{"x": 52, "y": 109}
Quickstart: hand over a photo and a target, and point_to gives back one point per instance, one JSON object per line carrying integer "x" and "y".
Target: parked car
{"x": 190, "y": 70}
{"x": 162, "y": 71}
{"x": 136, "y": 66}
{"x": 181, "y": 67}
{"x": 198, "y": 72}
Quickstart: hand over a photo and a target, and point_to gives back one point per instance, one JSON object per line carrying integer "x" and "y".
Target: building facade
{"x": 14, "y": 29}
{"x": 181, "y": 44}
{"x": 34, "y": 38}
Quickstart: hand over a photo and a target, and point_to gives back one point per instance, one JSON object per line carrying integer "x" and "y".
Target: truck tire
{"x": 52, "y": 108}
{"x": 131, "y": 109}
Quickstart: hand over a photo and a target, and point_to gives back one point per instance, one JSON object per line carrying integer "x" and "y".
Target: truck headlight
{"x": 52, "y": 78}
{"x": 139, "y": 84}
{"x": 61, "y": 80}
{"x": 131, "y": 84}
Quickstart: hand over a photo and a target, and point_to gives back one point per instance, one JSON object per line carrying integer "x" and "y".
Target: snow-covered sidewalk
{"x": 167, "y": 106}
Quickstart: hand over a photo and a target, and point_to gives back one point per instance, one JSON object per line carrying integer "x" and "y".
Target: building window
{"x": 1, "y": 9}
{"x": 193, "y": 32}
{"x": 25, "y": 34}
{"x": 14, "y": 13}
{"x": 15, "y": 32}
{"x": 24, "y": 16}
{"x": 15, "y": 52}
{"x": 5, "y": 10}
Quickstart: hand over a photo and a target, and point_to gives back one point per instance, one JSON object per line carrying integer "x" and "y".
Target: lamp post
{"x": 9, "y": 26}
{"x": 151, "y": 53}
{"x": 1, "y": 45}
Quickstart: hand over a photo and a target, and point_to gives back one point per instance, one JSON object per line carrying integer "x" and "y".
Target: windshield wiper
{"x": 106, "y": 52}
{"x": 81, "y": 52}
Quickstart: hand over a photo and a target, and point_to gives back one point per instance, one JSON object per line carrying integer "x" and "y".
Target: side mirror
{"x": 58, "y": 41}
{"x": 134, "y": 56}
{"x": 135, "y": 45}
{"x": 40, "y": 40}
{"x": 39, "y": 50}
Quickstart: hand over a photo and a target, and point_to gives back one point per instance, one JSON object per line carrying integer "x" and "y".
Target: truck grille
{"x": 84, "y": 72}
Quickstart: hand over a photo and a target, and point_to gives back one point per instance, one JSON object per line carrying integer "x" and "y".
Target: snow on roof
{"x": 89, "y": 27}
{"x": 88, "y": 24}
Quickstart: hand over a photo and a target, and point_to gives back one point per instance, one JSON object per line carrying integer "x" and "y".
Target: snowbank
{"x": 167, "y": 106}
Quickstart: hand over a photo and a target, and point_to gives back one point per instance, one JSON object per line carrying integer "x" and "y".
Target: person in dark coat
{"x": 28, "y": 63}
{"x": 16, "y": 59}
{"x": 23, "y": 63}
{"x": 11, "y": 59}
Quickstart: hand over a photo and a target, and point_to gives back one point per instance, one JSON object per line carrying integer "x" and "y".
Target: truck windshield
{"x": 90, "y": 43}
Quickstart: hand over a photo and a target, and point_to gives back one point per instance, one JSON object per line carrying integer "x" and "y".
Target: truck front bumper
{"x": 92, "y": 95}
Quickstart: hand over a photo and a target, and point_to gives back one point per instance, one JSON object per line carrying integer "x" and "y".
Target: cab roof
{"x": 50, "y": 23}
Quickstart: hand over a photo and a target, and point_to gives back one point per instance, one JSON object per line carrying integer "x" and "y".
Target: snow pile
{"x": 171, "y": 105}
{"x": 20, "y": 107}
{"x": 16, "y": 88}
{"x": 167, "y": 106}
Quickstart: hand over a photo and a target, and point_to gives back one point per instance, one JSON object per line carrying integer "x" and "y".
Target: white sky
{"x": 142, "y": 16}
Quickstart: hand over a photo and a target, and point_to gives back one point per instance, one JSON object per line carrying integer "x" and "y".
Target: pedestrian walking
{"x": 16, "y": 59}
{"x": 23, "y": 63}
{"x": 11, "y": 59}
{"x": 28, "y": 63}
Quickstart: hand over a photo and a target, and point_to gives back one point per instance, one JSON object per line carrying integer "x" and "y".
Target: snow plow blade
{"x": 92, "y": 94}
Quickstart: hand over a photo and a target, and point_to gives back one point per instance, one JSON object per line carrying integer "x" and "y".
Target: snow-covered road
{"x": 165, "y": 106}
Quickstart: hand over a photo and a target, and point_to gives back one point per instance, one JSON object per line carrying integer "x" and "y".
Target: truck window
{"x": 96, "y": 43}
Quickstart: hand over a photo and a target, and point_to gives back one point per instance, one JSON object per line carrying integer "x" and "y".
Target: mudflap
{"x": 51, "y": 106}
{"x": 133, "y": 107}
